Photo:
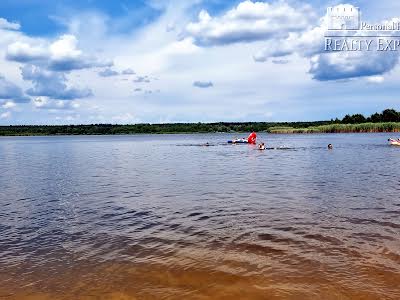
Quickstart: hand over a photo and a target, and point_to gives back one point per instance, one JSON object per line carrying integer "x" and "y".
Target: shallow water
{"x": 162, "y": 217}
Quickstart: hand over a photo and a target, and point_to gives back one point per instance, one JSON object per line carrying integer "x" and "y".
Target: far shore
{"x": 342, "y": 128}
{"x": 199, "y": 128}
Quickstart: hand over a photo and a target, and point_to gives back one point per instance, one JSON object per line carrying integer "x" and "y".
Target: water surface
{"x": 162, "y": 217}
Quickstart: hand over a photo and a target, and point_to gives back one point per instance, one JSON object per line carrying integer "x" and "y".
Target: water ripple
{"x": 156, "y": 217}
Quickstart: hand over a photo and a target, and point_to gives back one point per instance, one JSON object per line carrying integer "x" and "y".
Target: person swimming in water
{"x": 261, "y": 146}
{"x": 330, "y": 146}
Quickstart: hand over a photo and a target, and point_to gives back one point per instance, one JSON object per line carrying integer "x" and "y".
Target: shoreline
{"x": 194, "y": 133}
{"x": 186, "y": 274}
{"x": 199, "y": 128}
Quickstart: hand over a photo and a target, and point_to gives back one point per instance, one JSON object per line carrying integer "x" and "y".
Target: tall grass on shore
{"x": 341, "y": 128}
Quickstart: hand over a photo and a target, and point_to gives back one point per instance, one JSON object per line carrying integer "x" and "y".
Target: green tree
{"x": 390, "y": 115}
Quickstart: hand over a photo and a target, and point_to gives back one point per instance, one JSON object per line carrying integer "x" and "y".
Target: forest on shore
{"x": 386, "y": 121}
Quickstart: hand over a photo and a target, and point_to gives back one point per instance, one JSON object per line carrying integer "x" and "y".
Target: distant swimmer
{"x": 261, "y": 146}
{"x": 251, "y": 139}
{"x": 394, "y": 142}
{"x": 330, "y": 146}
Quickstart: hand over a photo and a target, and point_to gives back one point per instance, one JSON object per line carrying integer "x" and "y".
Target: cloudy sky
{"x": 101, "y": 61}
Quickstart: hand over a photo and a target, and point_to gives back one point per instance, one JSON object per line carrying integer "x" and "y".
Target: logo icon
{"x": 343, "y": 17}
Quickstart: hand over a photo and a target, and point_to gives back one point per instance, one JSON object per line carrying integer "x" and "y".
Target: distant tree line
{"x": 388, "y": 115}
{"x": 110, "y": 129}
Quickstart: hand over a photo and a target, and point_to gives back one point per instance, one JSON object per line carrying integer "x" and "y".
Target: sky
{"x": 154, "y": 61}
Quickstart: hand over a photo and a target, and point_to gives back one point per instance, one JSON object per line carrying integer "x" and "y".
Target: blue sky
{"x": 64, "y": 62}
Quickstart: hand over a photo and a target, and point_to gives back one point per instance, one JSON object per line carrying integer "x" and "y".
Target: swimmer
{"x": 330, "y": 146}
{"x": 261, "y": 146}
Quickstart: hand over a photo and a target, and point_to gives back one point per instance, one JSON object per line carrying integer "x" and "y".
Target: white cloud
{"x": 376, "y": 79}
{"x": 47, "y": 103}
{"x": 5, "y": 115}
{"x": 307, "y": 43}
{"x": 108, "y": 73}
{"x": 8, "y": 104}
{"x": 125, "y": 118}
{"x": 346, "y": 65}
{"x": 65, "y": 47}
{"x": 4, "y": 24}
{"x": 185, "y": 46}
{"x": 61, "y": 55}
{"x": 51, "y": 84}
{"x": 23, "y": 52}
{"x": 10, "y": 91}
{"x": 142, "y": 79}
{"x": 249, "y": 22}
{"x": 128, "y": 72}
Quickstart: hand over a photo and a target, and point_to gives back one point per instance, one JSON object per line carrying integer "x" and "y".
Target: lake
{"x": 163, "y": 217}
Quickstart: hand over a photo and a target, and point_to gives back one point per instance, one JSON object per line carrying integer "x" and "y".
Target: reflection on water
{"x": 150, "y": 217}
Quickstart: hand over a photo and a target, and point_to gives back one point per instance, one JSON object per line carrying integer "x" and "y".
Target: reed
{"x": 341, "y": 128}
